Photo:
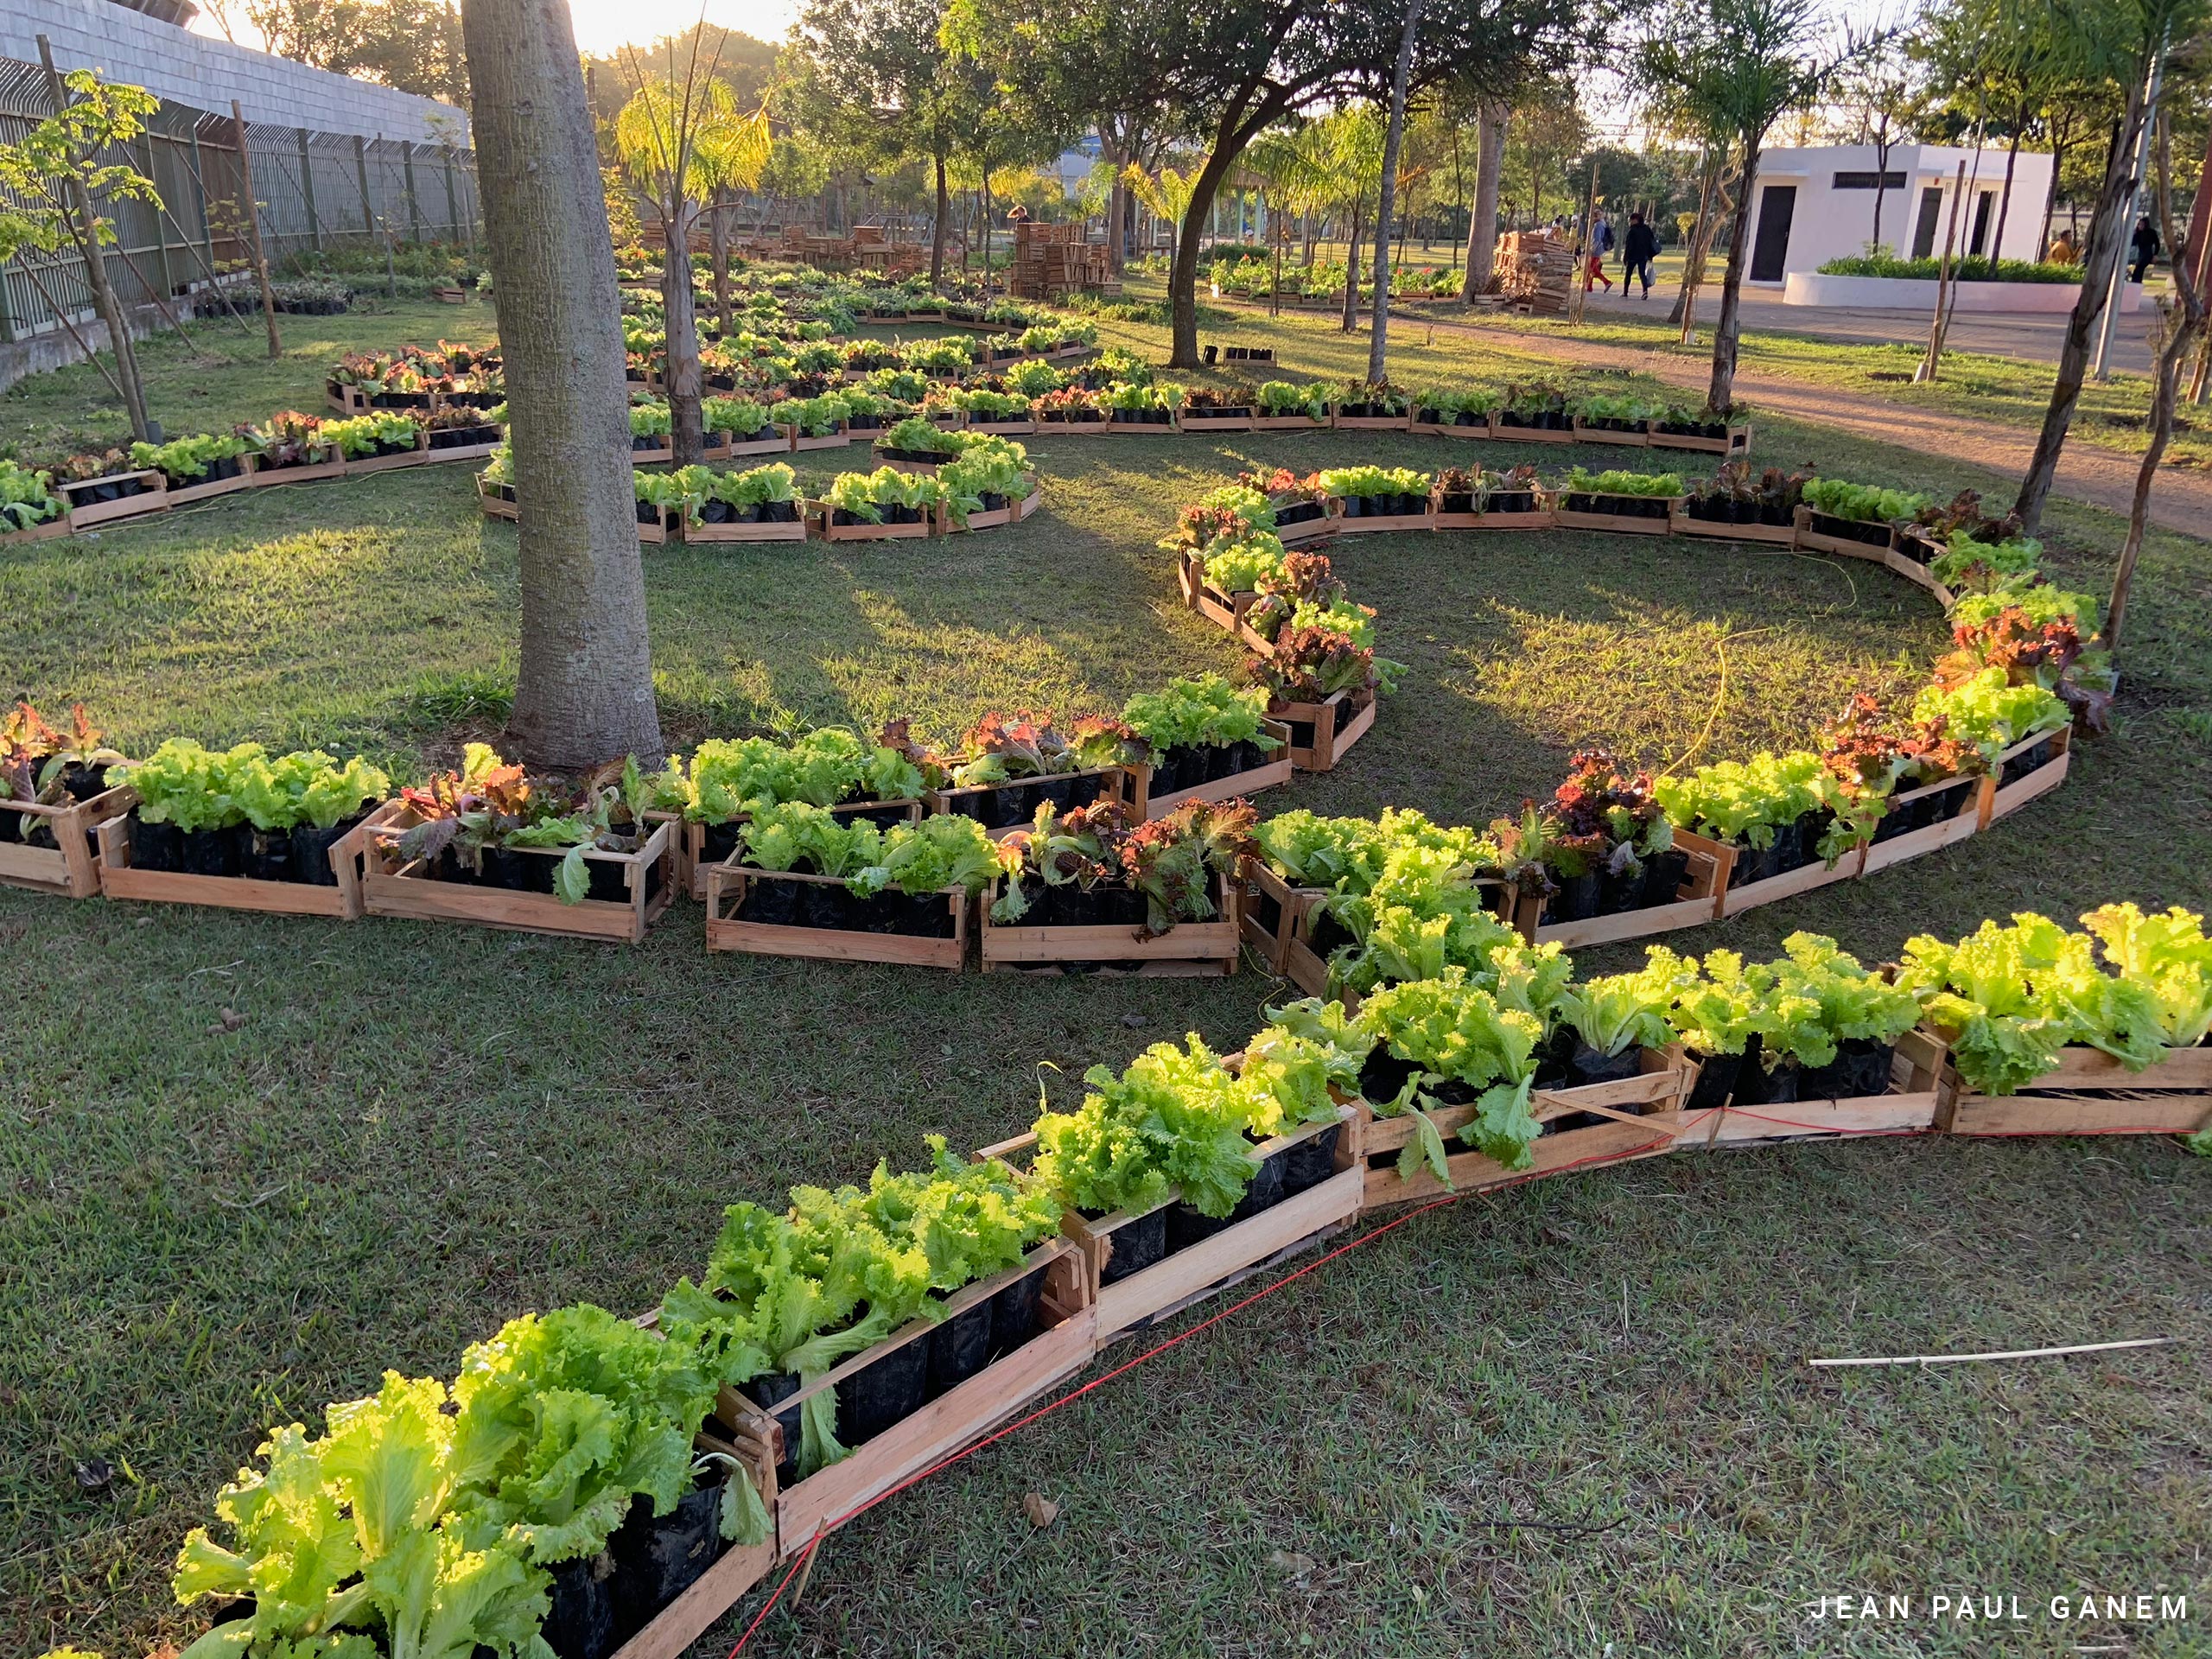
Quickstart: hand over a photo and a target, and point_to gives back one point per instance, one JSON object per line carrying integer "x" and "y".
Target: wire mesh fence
{"x": 316, "y": 190}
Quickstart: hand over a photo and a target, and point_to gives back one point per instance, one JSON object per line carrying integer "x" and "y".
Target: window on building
{"x": 1868, "y": 182}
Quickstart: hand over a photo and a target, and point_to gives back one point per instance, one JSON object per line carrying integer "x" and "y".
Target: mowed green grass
{"x": 249, "y": 1163}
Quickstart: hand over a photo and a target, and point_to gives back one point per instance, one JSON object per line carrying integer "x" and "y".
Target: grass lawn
{"x": 249, "y": 1163}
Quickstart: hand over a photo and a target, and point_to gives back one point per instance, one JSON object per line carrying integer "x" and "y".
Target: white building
{"x": 1811, "y": 205}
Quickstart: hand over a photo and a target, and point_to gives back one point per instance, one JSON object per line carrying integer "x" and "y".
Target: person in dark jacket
{"x": 1638, "y": 249}
{"x": 2147, "y": 247}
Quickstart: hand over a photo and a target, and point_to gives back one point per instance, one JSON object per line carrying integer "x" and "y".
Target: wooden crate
{"x": 1916, "y": 1073}
{"x": 180, "y": 494}
{"x": 1996, "y": 801}
{"x": 1141, "y": 428}
{"x": 728, "y": 882}
{"x": 1048, "y": 427}
{"x": 1361, "y": 524}
{"x": 837, "y": 440}
{"x": 153, "y": 497}
{"x": 657, "y": 533}
{"x": 1447, "y": 428}
{"x": 1185, "y": 1276}
{"x": 1373, "y": 423}
{"x": 819, "y": 525}
{"x": 1681, "y": 524}
{"x": 415, "y": 457}
{"x": 1114, "y": 786}
{"x": 1506, "y": 434}
{"x": 1586, "y": 433}
{"x": 1012, "y": 514}
{"x": 1738, "y": 441}
{"x": 2090, "y": 1093}
{"x": 1659, "y": 1088}
{"x": 690, "y": 838}
{"x": 664, "y": 450}
{"x": 1188, "y": 950}
{"x": 267, "y": 477}
{"x": 1929, "y": 837}
{"x": 1901, "y": 563}
{"x": 71, "y": 867}
{"x": 1015, "y": 428}
{"x": 775, "y": 441}
{"x": 1225, "y": 611}
{"x": 1541, "y": 518}
{"x": 39, "y": 532}
{"x": 1824, "y": 541}
{"x": 701, "y": 534}
{"x": 1272, "y": 910}
{"x": 1200, "y": 421}
{"x": 492, "y": 505}
{"x": 736, "y": 1570}
{"x": 1290, "y": 423}
{"x": 392, "y": 886}
{"x": 1270, "y": 772}
{"x": 1305, "y": 529}
{"x": 955, "y": 1419}
{"x": 1694, "y": 905}
{"x": 1624, "y": 524}
{"x": 1807, "y": 878}
{"x": 1329, "y": 743}
{"x": 120, "y": 879}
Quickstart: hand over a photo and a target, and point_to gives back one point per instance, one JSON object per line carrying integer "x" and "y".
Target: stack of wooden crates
{"x": 1052, "y": 261}
{"x": 1535, "y": 270}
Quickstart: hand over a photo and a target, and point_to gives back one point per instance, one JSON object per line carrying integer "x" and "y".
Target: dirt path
{"x": 2103, "y": 477}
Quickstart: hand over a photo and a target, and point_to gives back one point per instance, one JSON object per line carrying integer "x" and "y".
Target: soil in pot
{"x": 768, "y": 1392}
{"x": 156, "y": 845}
{"x": 1311, "y": 1162}
{"x": 310, "y": 851}
{"x": 959, "y": 1347}
{"x": 1716, "y": 1079}
{"x": 1861, "y": 1066}
{"x": 885, "y": 1393}
{"x": 213, "y": 852}
{"x": 1187, "y": 1225}
{"x": 657, "y": 1559}
{"x": 1137, "y": 1245}
{"x": 581, "y": 1623}
{"x": 268, "y": 854}
{"x": 1013, "y": 1311}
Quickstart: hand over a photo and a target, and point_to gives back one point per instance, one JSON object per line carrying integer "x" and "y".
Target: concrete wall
{"x": 206, "y": 73}
{"x": 1829, "y": 222}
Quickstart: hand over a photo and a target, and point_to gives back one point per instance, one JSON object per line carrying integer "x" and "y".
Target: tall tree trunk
{"x": 585, "y": 690}
{"x": 2107, "y": 245}
{"x": 939, "y": 227}
{"x": 1881, "y": 171}
{"x": 1349, "y": 320}
{"x": 680, "y": 319}
{"x": 1183, "y": 271}
{"x": 718, "y": 255}
{"x": 1721, "y": 391}
{"x": 1118, "y": 195}
{"x": 1482, "y": 223}
{"x": 1393, "y": 136}
{"x": 1712, "y": 202}
{"x": 2003, "y": 201}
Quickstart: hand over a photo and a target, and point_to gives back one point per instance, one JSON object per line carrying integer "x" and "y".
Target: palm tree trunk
{"x": 584, "y": 692}
{"x": 938, "y": 226}
{"x": 1721, "y": 391}
{"x": 680, "y": 309}
{"x": 1482, "y": 223}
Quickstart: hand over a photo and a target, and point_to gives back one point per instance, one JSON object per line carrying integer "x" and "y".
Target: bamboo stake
{"x": 2011, "y": 1353}
{"x": 253, "y": 226}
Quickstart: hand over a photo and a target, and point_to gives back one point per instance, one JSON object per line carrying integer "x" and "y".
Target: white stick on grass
{"x": 2016, "y": 1353}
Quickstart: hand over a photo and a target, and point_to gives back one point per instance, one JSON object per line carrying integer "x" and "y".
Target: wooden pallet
{"x": 120, "y": 879}
{"x": 1680, "y": 522}
{"x": 1694, "y": 906}
{"x": 1916, "y": 1090}
{"x": 1188, "y": 950}
{"x": 70, "y": 868}
{"x": 1144, "y": 804}
{"x": 1184, "y": 1276}
{"x": 392, "y": 886}
{"x": 2172, "y": 1098}
{"x": 1659, "y": 1088}
{"x": 728, "y": 882}
{"x": 958, "y": 1417}
{"x": 1329, "y": 744}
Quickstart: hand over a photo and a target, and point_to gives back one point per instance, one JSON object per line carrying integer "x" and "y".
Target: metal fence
{"x": 316, "y": 190}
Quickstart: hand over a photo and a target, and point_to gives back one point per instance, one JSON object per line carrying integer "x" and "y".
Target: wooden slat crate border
{"x": 1198, "y": 421}
{"x": 153, "y": 497}
{"x": 38, "y": 532}
{"x": 1694, "y": 906}
{"x": 182, "y": 494}
{"x": 1225, "y": 611}
{"x": 1330, "y": 745}
{"x": 1737, "y": 443}
{"x": 70, "y": 868}
{"x": 1187, "y": 950}
{"x": 1377, "y": 524}
{"x": 1290, "y": 423}
{"x": 1177, "y": 1280}
{"x": 955, "y": 1419}
{"x": 1373, "y": 423}
{"x": 1917, "y": 1087}
{"x": 389, "y": 891}
{"x": 1268, "y": 943}
{"x": 1621, "y": 524}
{"x": 2172, "y": 1098}
{"x": 697, "y": 533}
{"x": 1276, "y": 769}
{"x": 1662, "y": 1085}
{"x": 1114, "y": 785}
{"x": 727, "y": 883}
{"x": 689, "y": 838}
{"x": 1998, "y": 802}
{"x": 1820, "y": 541}
{"x": 1929, "y": 837}
{"x": 820, "y": 527}
{"x": 1807, "y": 878}
{"x": 991, "y": 518}
{"x": 1680, "y": 522}
{"x": 1586, "y": 433}
{"x": 119, "y": 879}
{"x": 1505, "y": 434}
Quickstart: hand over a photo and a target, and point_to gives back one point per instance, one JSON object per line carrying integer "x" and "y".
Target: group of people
{"x": 1639, "y": 246}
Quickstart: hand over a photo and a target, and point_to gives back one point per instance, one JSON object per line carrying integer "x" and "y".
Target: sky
{"x": 603, "y": 25}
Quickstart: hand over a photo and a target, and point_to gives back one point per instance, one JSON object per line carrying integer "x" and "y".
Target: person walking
{"x": 2146, "y": 245}
{"x": 1638, "y": 250}
{"x": 1601, "y": 240}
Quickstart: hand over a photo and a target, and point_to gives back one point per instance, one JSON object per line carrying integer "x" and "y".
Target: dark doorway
{"x": 1771, "y": 247}
{"x": 1982, "y": 204}
{"x": 1923, "y": 229}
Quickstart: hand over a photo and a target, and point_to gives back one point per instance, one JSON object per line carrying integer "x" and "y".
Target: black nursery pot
{"x": 1619, "y": 894}
{"x": 1385, "y": 1076}
{"x": 1663, "y": 873}
{"x": 581, "y": 1623}
{"x": 268, "y": 854}
{"x": 1013, "y": 1311}
{"x": 1861, "y": 1066}
{"x": 2024, "y": 763}
{"x": 1311, "y": 1162}
{"x": 1752, "y": 864}
{"x": 1716, "y": 1080}
{"x": 715, "y": 512}
{"x": 769, "y": 1392}
{"x": 719, "y": 840}
{"x": 213, "y": 852}
{"x": 1586, "y": 1065}
{"x": 658, "y": 1559}
{"x": 920, "y": 915}
{"x": 155, "y": 846}
{"x": 310, "y": 852}
{"x": 1187, "y": 1226}
{"x": 648, "y": 513}
{"x": 885, "y": 1393}
{"x": 820, "y": 905}
{"x": 1299, "y": 512}
{"x": 1354, "y": 506}
{"x": 959, "y": 1347}
{"x": 1756, "y": 1086}
{"x": 1171, "y": 770}
{"x": 1137, "y": 1245}
{"x": 1457, "y": 501}
{"x": 1577, "y": 897}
